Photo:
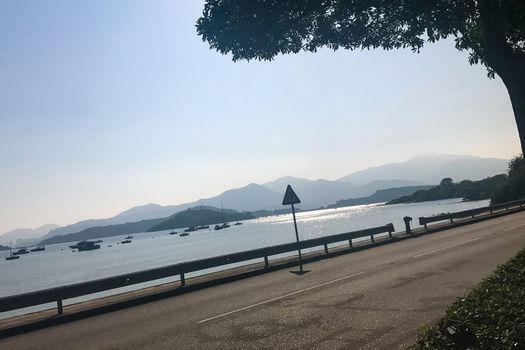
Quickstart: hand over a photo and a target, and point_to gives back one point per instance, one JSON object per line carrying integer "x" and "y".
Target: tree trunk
{"x": 515, "y": 84}
{"x": 506, "y": 62}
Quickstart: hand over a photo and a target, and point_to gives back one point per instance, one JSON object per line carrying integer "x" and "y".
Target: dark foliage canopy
{"x": 514, "y": 188}
{"x": 261, "y": 29}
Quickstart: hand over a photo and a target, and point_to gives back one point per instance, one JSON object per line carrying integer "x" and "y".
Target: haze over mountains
{"x": 425, "y": 169}
{"x": 430, "y": 168}
{"x": 26, "y": 233}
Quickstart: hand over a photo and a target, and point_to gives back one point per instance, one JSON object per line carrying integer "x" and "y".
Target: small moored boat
{"x": 38, "y": 248}
{"x": 11, "y": 256}
{"x": 220, "y": 227}
{"x": 86, "y": 245}
{"x": 21, "y": 251}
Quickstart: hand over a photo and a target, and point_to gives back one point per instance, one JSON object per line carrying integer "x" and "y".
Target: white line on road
{"x": 282, "y": 297}
{"x": 447, "y": 247}
{"x": 514, "y": 227}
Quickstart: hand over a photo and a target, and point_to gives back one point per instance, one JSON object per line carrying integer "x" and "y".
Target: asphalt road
{"x": 376, "y": 298}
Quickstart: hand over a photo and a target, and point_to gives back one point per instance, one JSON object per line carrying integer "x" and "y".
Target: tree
{"x": 514, "y": 188}
{"x": 447, "y": 181}
{"x": 492, "y": 31}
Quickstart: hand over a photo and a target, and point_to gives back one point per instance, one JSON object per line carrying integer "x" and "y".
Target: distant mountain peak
{"x": 288, "y": 178}
{"x": 430, "y": 168}
{"x": 434, "y": 155}
{"x": 27, "y": 233}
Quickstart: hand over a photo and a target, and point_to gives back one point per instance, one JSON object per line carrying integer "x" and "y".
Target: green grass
{"x": 492, "y": 316}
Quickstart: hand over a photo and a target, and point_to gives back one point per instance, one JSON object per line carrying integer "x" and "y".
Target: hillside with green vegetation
{"x": 380, "y": 196}
{"x": 466, "y": 189}
{"x": 104, "y": 231}
{"x": 198, "y": 216}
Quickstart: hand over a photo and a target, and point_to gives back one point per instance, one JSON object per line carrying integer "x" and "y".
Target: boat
{"x": 11, "y": 256}
{"x": 220, "y": 227}
{"x": 173, "y": 233}
{"x": 190, "y": 229}
{"x": 38, "y": 248}
{"x": 224, "y": 224}
{"x": 238, "y": 223}
{"x": 182, "y": 234}
{"x": 86, "y": 245}
{"x": 129, "y": 237}
{"x": 21, "y": 251}
{"x": 126, "y": 241}
{"x": 202, "y": 227}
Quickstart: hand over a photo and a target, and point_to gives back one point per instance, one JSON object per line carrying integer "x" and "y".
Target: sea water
{"x": 59, "y": 265}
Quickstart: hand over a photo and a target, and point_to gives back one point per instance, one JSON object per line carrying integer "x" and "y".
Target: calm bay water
{"x": 58, "y": 265}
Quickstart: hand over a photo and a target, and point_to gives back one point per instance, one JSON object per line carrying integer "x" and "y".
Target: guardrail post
{"x": 182, "y": 280}
{"x": 60, "y": 307}
{"x": 372, "y": 238}
{"x": 491, "y": 210}
{"x": 451, "y": 220}
{"x": 326, "y": 248}
{"x": 350, "y": 242}
{"x": 266, "y": 264}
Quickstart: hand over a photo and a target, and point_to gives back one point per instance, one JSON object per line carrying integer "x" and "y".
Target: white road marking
{"x": 514, "y": 227}
{"x": 447, "y": 247}
{"x": 282, "y": 297}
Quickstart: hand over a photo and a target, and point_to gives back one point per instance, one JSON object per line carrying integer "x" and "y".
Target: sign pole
{"x": 290, "y": 198}
{"x": 297, "y": 237}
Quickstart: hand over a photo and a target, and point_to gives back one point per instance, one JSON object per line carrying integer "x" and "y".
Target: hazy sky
{"x": 105, "y": 105}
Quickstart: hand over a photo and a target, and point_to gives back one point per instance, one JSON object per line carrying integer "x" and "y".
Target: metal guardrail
{"x": 469, "y": 213}
{"x": 79, "y": 289}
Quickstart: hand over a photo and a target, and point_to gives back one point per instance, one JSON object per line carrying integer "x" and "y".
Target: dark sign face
{"x": 290, "y": 197}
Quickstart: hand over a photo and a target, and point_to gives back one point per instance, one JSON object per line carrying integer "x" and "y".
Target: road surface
{"x": 375, "y": 298}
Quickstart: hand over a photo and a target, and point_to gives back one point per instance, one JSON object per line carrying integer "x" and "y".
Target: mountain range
{"x": 426, "y": 169}
{"x": 430, "y": 168}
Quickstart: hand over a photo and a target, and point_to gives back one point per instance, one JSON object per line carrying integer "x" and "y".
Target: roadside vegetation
{"x": 492, "y": 316}
{"x": 514, "y": 187}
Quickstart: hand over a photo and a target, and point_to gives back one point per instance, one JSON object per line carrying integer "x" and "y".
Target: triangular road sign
{"x": 290, "y": 197}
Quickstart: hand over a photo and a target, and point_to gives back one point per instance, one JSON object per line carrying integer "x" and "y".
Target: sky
{"x": 106, "y": 104}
